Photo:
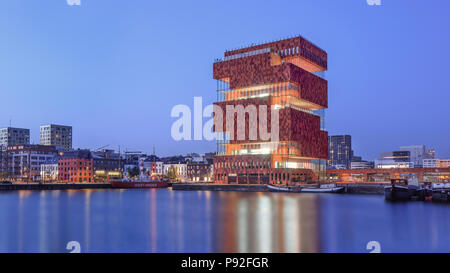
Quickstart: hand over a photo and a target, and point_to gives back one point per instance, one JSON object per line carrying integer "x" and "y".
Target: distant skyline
{"x": 114, "y": 69}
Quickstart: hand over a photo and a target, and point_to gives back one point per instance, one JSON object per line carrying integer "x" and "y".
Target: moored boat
{"x": 274, "y": 188}
{"x": 441, "y": 192}
{"x": 396, "y": 193}
{"x": 328, "y": 188}
{"x": 404, "y": 190}
{"x": 323, "y": 190}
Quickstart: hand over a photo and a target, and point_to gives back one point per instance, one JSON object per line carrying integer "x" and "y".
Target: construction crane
{"x": 102, "y": 147}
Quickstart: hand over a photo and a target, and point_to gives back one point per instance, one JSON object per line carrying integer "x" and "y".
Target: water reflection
{"x": 267, "y": 222}
{"x": 189, "y": 221}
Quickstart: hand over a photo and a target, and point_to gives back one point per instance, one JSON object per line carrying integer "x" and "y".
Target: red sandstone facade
{"x": 282, "y": 75}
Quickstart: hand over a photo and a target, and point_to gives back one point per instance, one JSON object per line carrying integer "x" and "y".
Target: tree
{"x": 133, "y": 172}
{"x": 172, "y": 172}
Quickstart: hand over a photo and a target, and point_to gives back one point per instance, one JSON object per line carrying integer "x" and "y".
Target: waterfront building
{"x": 436, "y": 163}
{"x": 151, "y": 165}
{"x": 76, "y": 166}
{"x": 433, "y": 175}
{"x": 340, "y": 151}
{"x": 392, "y": 164}
{"x": 418, "y": 153}
{"x": 131, "y": 160}
{"x": 362, "y": 164}
{"x": 59, "y": 136}
{"x": 24, "y": 161}
{"x": 107, "y": 165}
{"x": 199, "y": 172}
{"x": 180, "y": 170}
{"x": 285, "y": 77}
{"x": 3, "y": 163}
{"x": 395, "y": 159}
{"x": 397, "y": 156}
{"x": 337, "y": 166}
{"x": 49, "y": 171}
{"x": 10, "y": 136}
{"x": 157, "y": 168}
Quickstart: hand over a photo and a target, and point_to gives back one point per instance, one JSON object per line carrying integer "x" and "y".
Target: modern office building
{"x": 280, "y": 137}
{"x": 436, "y": 163}
{"x": 397, "y": 156}
{"x": 24, "y": 161}
{"x": 14, "y": 136}
{"x": 340, "y": 151}
{"x": 59, "y": 136}
{"x": 3, "y": 162}
{"x": 418, "y": 153}
{"x": 361, "y": 165}
{"x": 395, "y": 159}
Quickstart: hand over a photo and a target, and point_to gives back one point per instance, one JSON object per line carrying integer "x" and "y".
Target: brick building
{"x": 199, "y": 172}
{"x": 76, "y": 166}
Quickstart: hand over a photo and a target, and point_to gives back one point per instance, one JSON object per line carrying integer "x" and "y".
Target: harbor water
{"x": 164, "y": 220}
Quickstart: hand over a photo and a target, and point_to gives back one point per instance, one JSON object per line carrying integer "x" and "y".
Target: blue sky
{"x": 113, "y": 69}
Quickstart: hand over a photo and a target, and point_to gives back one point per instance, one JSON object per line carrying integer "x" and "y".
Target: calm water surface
{"x": 162, "y": 220}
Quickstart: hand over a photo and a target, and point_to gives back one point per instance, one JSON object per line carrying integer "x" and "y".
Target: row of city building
{"x": 54, "y": 160}
{"x": 192, "y": 167}
{"x": 341, "y": 156}
{"x": 44, "y": 163}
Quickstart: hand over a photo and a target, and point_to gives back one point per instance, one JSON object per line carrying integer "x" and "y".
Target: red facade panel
{"x": 306, "y": 49}
{"x": 257, "y": 70}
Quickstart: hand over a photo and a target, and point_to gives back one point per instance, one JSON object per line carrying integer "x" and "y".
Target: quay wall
{"x": 56, "y": 186}
{"x": 349, "y": 188}
{"x": 218, "y": 187}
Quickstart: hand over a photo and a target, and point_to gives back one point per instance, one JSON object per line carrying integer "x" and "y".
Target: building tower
{"x": 285, "y": 75}
{"x": 340, "y": 151}
{"x": 14, "y": 136}
{"x": 59, "y": 136}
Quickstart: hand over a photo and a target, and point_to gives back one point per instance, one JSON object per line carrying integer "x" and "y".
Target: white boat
{"x": 278, "y": 188}
{"x": 325, "y": 189}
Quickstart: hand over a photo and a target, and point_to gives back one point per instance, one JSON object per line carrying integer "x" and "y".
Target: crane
{"x": 102, "y": 147}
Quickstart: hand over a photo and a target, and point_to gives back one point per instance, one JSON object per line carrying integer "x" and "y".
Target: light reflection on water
{"x": 162, "y": 220}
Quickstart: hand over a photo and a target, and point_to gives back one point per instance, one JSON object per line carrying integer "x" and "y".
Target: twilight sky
{"x": 113, "y": 69}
